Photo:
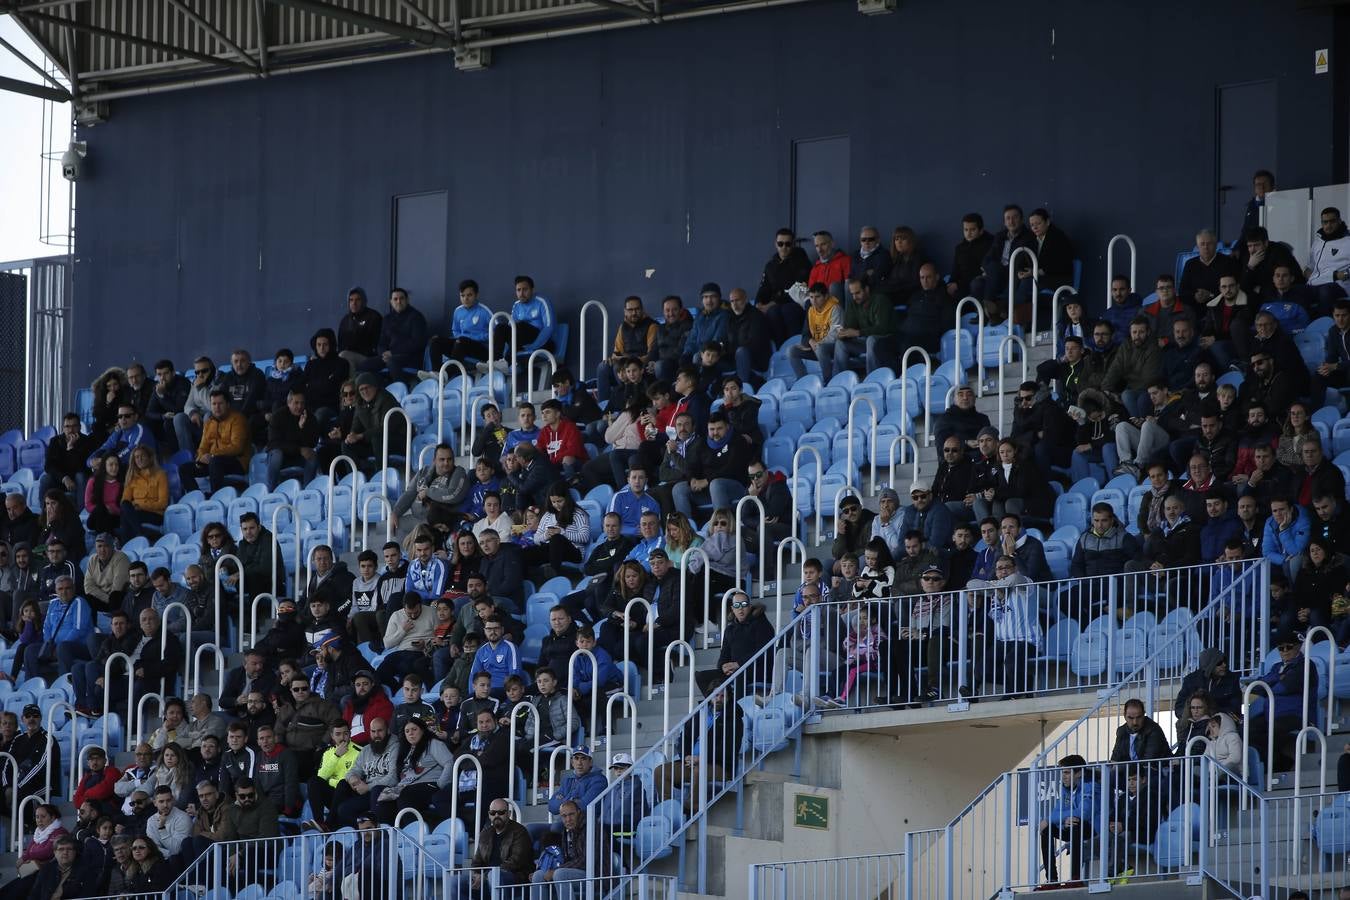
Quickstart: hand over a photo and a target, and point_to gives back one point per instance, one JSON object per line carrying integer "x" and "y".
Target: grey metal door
{"x": 421, "y": 251}
{"x": 820, "y": 180}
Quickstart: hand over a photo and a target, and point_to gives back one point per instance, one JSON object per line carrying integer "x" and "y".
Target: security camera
{"x": 72, "y": 160}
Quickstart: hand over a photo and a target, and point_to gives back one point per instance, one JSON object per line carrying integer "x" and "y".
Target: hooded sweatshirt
{"x": 324, "y": 375}
{"x": 359, "y": 331}
{"x": 1226, "y": 749}
{"x": 1329, "y": 254}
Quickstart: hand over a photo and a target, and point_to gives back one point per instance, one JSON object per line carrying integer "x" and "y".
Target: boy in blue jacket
{"x": 605, "y": 675}
{"x": 1071, "y": 818}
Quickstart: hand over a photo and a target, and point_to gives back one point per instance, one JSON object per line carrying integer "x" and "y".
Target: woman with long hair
{"x": 421, "y": 760}
{"x": 721, "y": 549}
{"x": 680, "y": 537}
{"x": 103, "y": 496}
{"x": 465, "y": 560}
{"x": 29, "y": 626}
{"x": 563, "y": 532}
{"x": 145, "y": 495}
{"x": 217, "y": 542}
{"x": 174, "y": 770}
{"x": 150, "y": 872}
{"x": 1298, "y": 430}
{"x": 631, "y": 580}
{"x": 61, "y": 521}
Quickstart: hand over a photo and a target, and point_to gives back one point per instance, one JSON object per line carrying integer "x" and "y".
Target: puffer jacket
{"x": 1226, "y": 749}
{"x": 1103, "y": 554}
{"x": 369, "y": 419}
{"x": 148, "y": 491}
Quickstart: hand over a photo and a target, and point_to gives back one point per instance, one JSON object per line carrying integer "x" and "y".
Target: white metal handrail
{"x": 1054, "y": 325}
{"x": 686, "y": 563}
{"x": 140, "y": 715}
{"x": 872, "y": 430}
{"x": 1035, "y": 285}
{"x": 14, "y": 823}
{"x": 187, "y": 641}
{"x": 253, "y": 619}
{"x": 107, "y": 691}
{"x": 465, "y": 384}
{"x": 1247, "y": 692}
{"x": 384, "y": 450}
{"x": 566, "y": 750}
{"x": 595, "y": 692}
{"x": 492, "y": 356}
{"x": 35, "y": 800}
{"x": 631, "y": 711}
{"x": 475, "y": 405}
{"x": 627, "y": 635}
{"x": 686, "y": 660}
{"x": 899, "y": 441}
{"x": 763, "y": 527}
{"x": 726, "y": 609}
{"x": 511, "y": 752}
{"x": 463, "y": 760}
{"x": 52, "y": 746}
{"x": 1008, "y": 339}
{"x": 1300, "y": 746}
{"x": 1110, "y": 262}
{"x": 820, "y": 476}
{"x": 1309, "y": 666}
{"x": 295, "y": 524}
{"x": 239, "y": 566}
{"x": 386, "y": 509}
{"x": 977, "y": 345}
{"x": 197, "y": 668}
{"x": 552, "y": 370}
{"x": 927, "y": 386}
{"x": 797, "y": 547}
{"x": 604, "y": 336}
{"x": 329, "y": 504}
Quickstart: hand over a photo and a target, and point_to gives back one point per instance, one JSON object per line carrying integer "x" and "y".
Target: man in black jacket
{"x": 1263, "y": 258}
{"x": 962, "y": 418}
{"x": 64, "y": 464}
{"x": 748, "y": 336}
{"x": 789, "y": 265}
{"x": 717, "y": 469}
{"x": 253, "y": 675}
{"x": 245, "y": 387}
{"x": 359, "y": 331}
{"x": 929, "y": 313}
{"x": 561, "y": 641}
{"x": 992, "y": 285}
{"x": 969, "y": 254}
{"x": 772, "y": 490}
{"x": 292, "y": 436}
{"x": 504, "y": 570}
{"x": 746, "y": 633}
{"x": 167, "y": 399}
{"x": 20, "y": 524}
{"x": 1140, "y": 737}
{"x": 530, "y": 474}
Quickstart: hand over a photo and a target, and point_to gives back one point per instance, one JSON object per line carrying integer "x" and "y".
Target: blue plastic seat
{"x": 1059, "y": 640}
{"x": 1112, "y": 496}
{"x": 833, "y": 401}
{"x": 1088, "y": 657}
{"x": 206, "y": 512}
{"x": 797, "y": 406}
{"x": 1071, "y": 509}
{"x": 178, "y": 519}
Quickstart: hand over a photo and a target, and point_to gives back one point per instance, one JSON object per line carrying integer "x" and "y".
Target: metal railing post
{"x": 547, "y": 382}
{"x": 901, "y": 440}
{"x": 463, "y": 401}
{"x": 763, "y": 526}
{"x": 820, "y": 475}
{"x": 582, "y": 335}
{"x": 977, "y": 345}
{"x": 1007, "y": 340}
{"x": 1035, "y": 283}
{"x": 927, "y": 385}
{"x": 627, "y": 656}
{"x": 239, "y": 566}
{"x": 329, "y": 504}
{"x": 872, "y": 430}
{"x": 384, "y": 450}
{"x": 1110, "y": 262}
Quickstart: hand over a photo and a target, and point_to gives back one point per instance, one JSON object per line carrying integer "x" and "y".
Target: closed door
{"x": 820, "y": 178}
{"x": 1247, "y": 142}
{"x": 421, "y": 251}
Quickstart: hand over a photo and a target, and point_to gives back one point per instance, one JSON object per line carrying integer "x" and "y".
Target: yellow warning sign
{"x": 1320, "y": 62}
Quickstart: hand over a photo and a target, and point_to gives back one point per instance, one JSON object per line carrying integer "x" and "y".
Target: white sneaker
{"x": 481, "y": 368}
{"x": 501, "y": 366}
{"x": 424, "y": 375}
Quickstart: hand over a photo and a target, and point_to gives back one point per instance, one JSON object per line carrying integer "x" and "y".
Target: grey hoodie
{"x": 376, "y": 768}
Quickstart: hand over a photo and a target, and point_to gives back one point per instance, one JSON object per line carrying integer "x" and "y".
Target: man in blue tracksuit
{"x": 468, "y": 331}
{"x": 68, "y": 625}
{"x": 711, "y": 324}
{"x": 497, "y": 657}
{"x": 581, "y": 785}
{"x": 1071, "y": 818}
{"x": 630, "y": 502}
{"x": 534, "y": 323}
{"x": 127, "y": 436}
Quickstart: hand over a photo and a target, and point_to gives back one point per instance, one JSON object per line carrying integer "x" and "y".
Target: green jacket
{"x": 877, "y": 319}
{"x": 369, "y": 421}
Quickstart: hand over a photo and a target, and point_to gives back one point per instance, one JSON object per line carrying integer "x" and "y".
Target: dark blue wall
{"x": 241, "y": 214}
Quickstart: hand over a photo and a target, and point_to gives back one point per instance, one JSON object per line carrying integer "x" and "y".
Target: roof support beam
{"x": 423, "y": 17}
{"x": 213, "y": 31}
{"x": 260, "y": 12}
{"x": 14, "y": 85}
{"x": 635, "y": 11}
{"x": 371, "y": 23}
{"x": 30, "y": 64}
{"x": 115, "y": 35}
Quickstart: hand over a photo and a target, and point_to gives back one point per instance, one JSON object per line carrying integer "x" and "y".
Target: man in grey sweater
{"x": 439, "y": 488}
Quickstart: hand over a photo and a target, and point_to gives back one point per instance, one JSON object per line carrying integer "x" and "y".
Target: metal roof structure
{"x": 110, "y": 49}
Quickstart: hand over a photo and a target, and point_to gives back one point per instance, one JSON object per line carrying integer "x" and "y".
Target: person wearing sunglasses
{"x": 127, "y": 435}
{"x": 787, "y": 266}
{"x": 187, "y": 424}
{"x": 1293, "y": 702}
{"x": 747, "y": 631}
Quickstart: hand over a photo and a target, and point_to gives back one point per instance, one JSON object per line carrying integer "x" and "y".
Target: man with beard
{"x": 373, "y": 769}
{"x": 1328, "y": 266}
{"x": 365, "y": 706}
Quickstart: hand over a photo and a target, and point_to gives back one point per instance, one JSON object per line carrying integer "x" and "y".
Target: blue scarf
{"x": 718, "y": 445}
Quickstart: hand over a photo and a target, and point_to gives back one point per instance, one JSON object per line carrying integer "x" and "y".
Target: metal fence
{"x": 613, "y": 887}
{"x": 846, "y": 878}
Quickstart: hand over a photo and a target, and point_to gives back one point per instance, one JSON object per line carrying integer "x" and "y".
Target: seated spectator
{"x": 1221, "y": 526}
{"x": 992, "y": 284}
{"x": 245, "y": 389}
{"x": 1317, "y": 476}
{"x": 1025, "y": 548}
{"x": 1297, "y": 431}
{"x": 746, "y": 634}
{"x": 67, "y": 628}
{"x": 1321, "y": 576}
{"x": 1136, "y": 365}
{"x": 887, "y": 524}
{"x": 145, "y": 496}
{"x": 1226, "y": 323}
{"x": 1174, "y": 544}
{"x": 710, "y": 324}
{"x": 820, "y": 332}
{"x": 717, "y": 467}
{"x": 405, "y": 637}
{"x": 402, "y": 341}
{"x": 671, "y": 336}
{"x": 1260, "y": 432}
{"x": 1042, "y": 430}
{"x": 1054, "y": 261}
{"x": 87, "y": 676}
{"x": 529, "y": 474}
{"x": 563, "y": 534}
{"x": 503, "y": 843}
{"x": 874, "y": 265}
{"x": 929, "y": 313}
{"x": 1330, "y": 522}
{"x": 1144, "y": 437}
{"x": 924, "y": 639}
{"x": 561, "y": 442}
{"x": 1327, "y": 269}
{"x": 1123, "y": 304}
{"x": 951, "y": 481}
{"x": 927, "y": 517}
{"x": 1292, "y": 706}
{"x": 1263, "y": 257}
{"x": 869, "y": 330}
{"x": 532, "y": 323}
{"x": 634, "y": 339}
{"x": 1165, "y": 310}
{"x": 832, "y": 265}
{"x": 1181, "y": 354}
{"x": 1267, "y": 335}
{"x": 107, "y": 575}
{"x": 503, "y": 568}
{"x": 577, "y": 404}
{"x": 1019, "y": 487}
{"x": 910, "y": 565}
{"x": 64, "y": 467}
{"x": 127, "y": 436}
{"x": 787, "y": 267}
{"x": 373, "y": 403}
{"x": 1286, "y": 536}
{"x": 438, "y": 488}
{"x": 1105, "y": 547}
{"x": 749, "y": 334}
{"x": 962, "y": 419}
{"x": 854, "y": 529}
{"x": 293, "y": 433}
{"x": 110, "y": 392}
{"x": 1094, "y": 438}
{"x": 1139, "y": 737}
{"x": 1135, "y": 815}
{"x": 966, "y": 258}
{"x": 1201, "y": 274}
{"x": 225, "y": 445}
{"x": 468, "y": 338}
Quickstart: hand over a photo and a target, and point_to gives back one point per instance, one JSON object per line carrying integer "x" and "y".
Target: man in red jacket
{"x": 96, "y": 785}
{"x": 560, "y": 440}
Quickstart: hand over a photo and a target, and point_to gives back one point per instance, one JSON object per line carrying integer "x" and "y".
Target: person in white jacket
{"x": 1225, "y": 744}
{"x": 1328, "y": 269}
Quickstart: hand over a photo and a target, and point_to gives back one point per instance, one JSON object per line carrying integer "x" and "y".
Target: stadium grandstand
{"x": 505, "y": 449}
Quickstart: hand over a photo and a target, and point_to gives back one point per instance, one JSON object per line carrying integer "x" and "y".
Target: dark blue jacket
{"x": 1216, "y": 533}
{"x": 707, "y": 327}
{"x": 403, "y": 334}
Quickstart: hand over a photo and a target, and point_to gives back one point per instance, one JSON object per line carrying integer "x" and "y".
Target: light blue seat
{"x": 797, "y": 406}
{"x": 1130, "y": 651}
{"x": 1112, "y": 496}
{"x": 1088, "y": 658}
{"x": 833, "y": 401}
{"x": 1071, "y": 509}
{"x": 1059, "y": 640}
{"x": 178, "y": 519}
{"x": 206, "y": 512}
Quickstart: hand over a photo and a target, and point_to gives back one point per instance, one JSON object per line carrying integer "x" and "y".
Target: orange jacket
{"x": 227, "y": 437}
{"x": 147, "y": 491}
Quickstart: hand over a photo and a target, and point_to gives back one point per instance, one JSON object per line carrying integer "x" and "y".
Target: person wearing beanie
{"x": 372, "y": 404}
